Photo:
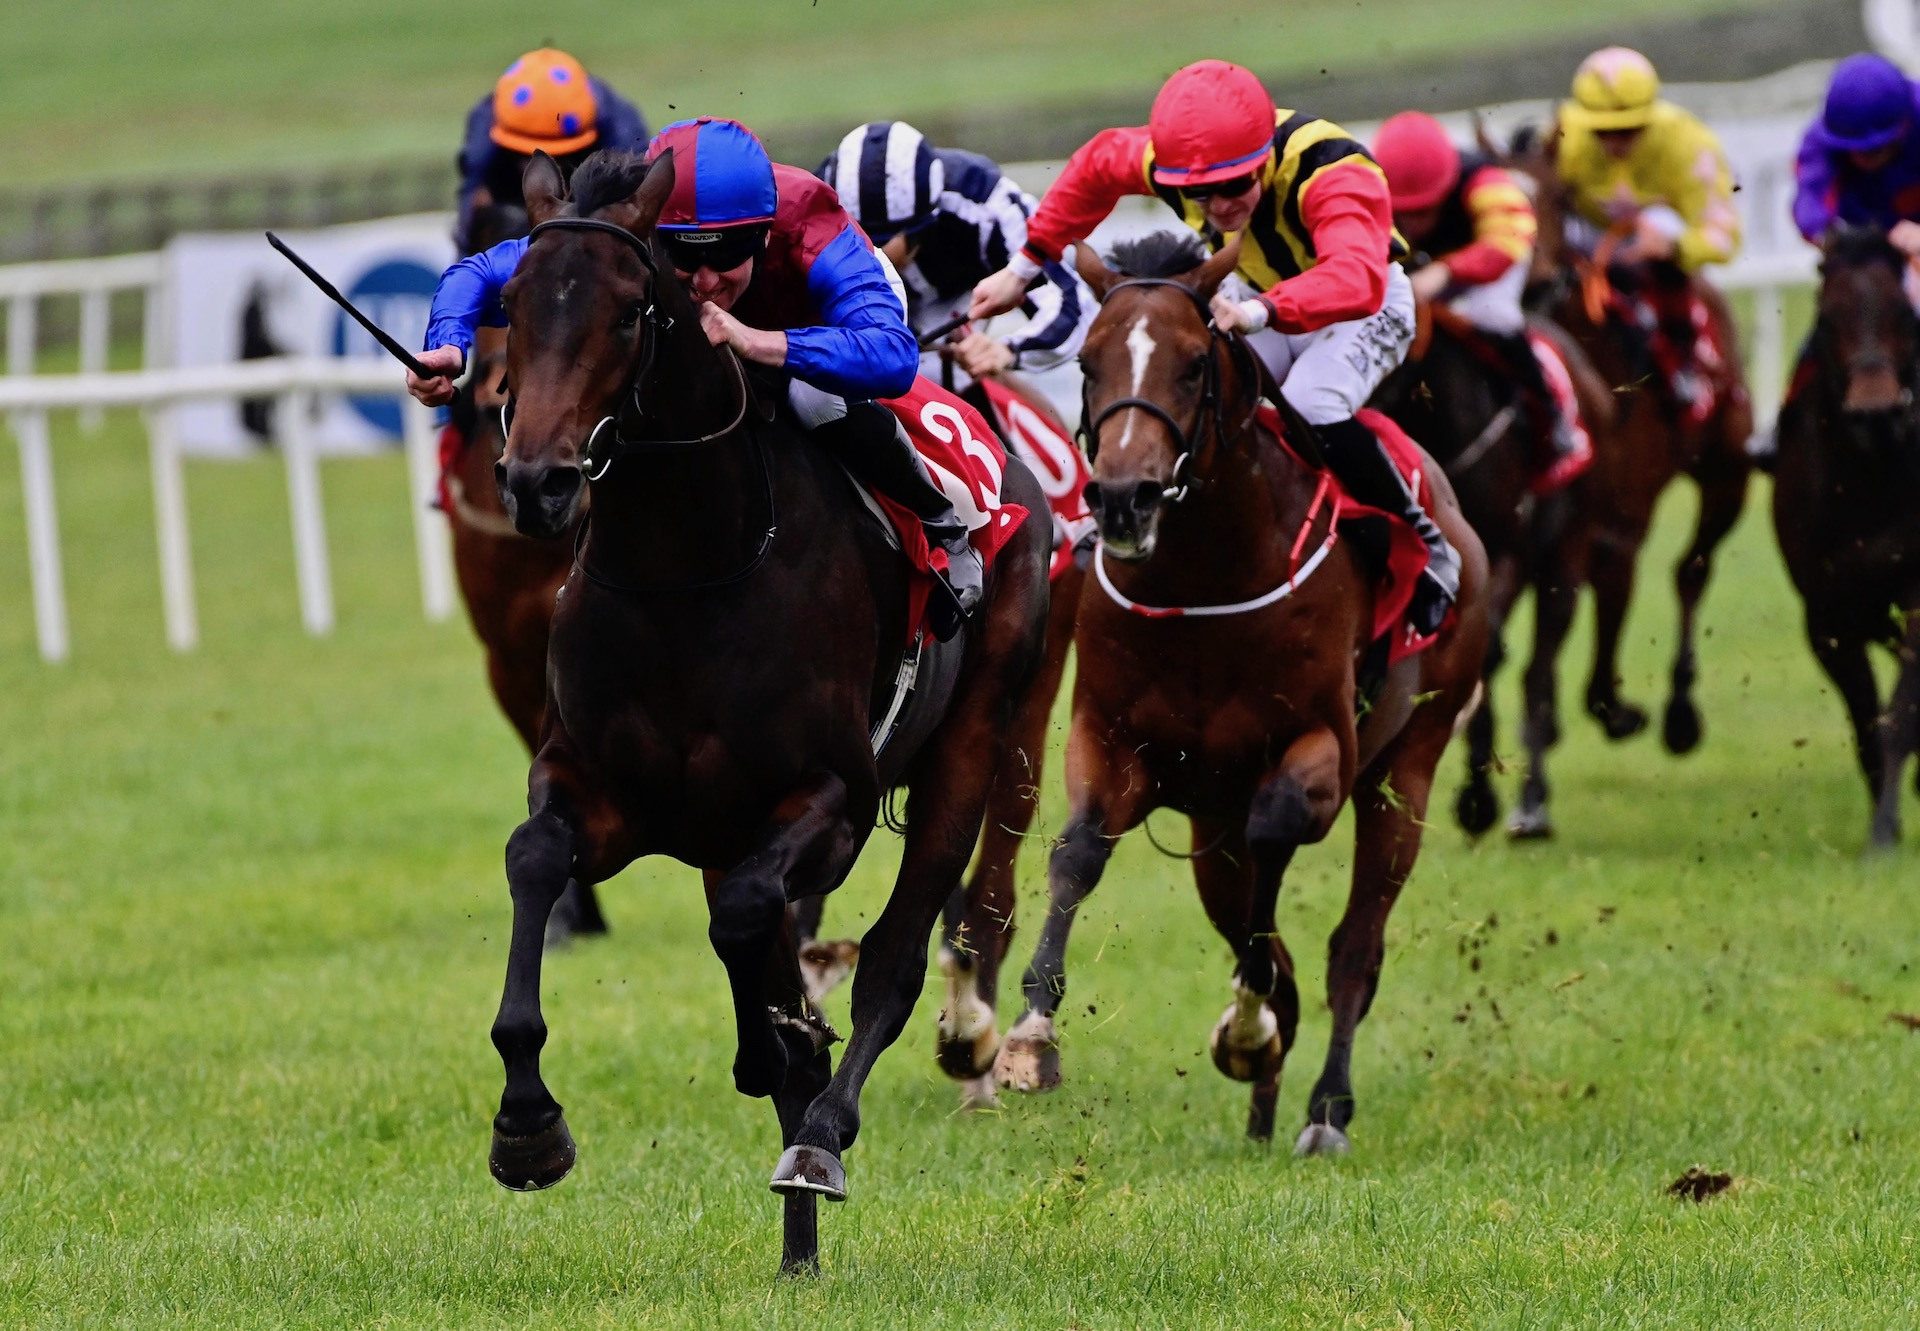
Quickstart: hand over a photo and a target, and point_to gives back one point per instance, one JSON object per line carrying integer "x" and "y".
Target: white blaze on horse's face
{"x": 1140, "y": 346}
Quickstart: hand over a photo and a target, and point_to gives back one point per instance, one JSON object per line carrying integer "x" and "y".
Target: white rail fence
{"x": 26, "y": 401}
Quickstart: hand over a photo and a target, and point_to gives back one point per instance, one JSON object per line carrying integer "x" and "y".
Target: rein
{"x": 1210, "y": 405}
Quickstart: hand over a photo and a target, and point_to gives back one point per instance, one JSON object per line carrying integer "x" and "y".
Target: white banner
{"x": 230, "y": 297}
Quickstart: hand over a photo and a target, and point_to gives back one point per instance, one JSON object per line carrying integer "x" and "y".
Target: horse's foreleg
{"x": 1611, "y": 563}
{"x": 1294, "y": 806}
{"x": 1390, "y": 803}
{"x": 1899, "y": 734}
{"x": 1556, "y": 596}
{"x": 531, "y": 1145}
{"x": 1478, "y": 805}
{"x": 1723, "y": 493}
{"x": 809, "y": 1067}
{"x": 807, "y": 845}
{"x": 1843, "y": 655}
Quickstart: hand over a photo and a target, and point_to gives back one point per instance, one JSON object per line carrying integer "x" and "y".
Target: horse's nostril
{"x": 559, "y": 483}
{"x": 1147, "y": 494}
{"x": 500, "y": 476}
{"x": 1092, "y": 495}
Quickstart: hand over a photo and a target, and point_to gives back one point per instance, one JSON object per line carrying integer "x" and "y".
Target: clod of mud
{"x": 1907, "y": 1019}
{"x": 1699, "y": 1183}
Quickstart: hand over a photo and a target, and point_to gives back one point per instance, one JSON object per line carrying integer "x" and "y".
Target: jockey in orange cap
{"x": 545, "y": 102}
{"x": 1476, "y": 226}
{"x": 1319, "y": 289}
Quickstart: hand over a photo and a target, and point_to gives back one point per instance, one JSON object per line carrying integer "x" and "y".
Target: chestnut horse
{"x": 1649, "y": 446}
{"x": 1845, "y": 499}
{"x": 1464, "y": 410}
{"x": 1238, "y": 708}
{"x": 732, "y": 624}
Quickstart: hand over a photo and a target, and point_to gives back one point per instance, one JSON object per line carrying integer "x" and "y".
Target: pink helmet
{"x": 1212, "y": 121}
{"x": 1421, "y": 163}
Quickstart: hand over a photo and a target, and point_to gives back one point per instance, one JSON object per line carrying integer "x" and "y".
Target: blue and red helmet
{"x": 722, "y": 176}
{"x": 1869, "y": 105}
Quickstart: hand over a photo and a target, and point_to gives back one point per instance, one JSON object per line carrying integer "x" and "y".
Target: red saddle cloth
{"x": 965, "y": 458}
{"x": 1561, "y": 472}
{"x": 1405, "y": 556}
{"x": 1056, "y": 462}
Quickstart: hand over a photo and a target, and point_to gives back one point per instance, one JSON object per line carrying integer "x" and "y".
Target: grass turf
{"x": 196, "y": 86}
{"x": 252, "y": 924}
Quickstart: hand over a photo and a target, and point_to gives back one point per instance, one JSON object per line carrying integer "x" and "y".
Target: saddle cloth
{"x": 1561, "y": 472}
{"x": 1055, "y": 461}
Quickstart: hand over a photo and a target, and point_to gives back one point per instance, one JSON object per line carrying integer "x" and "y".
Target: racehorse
{"x": 507, "y": 581}
{"x": 732, "y": 625}
{"x": 1458, "y": 401}
{"x": 1649, "y": 446}
{"x": 1846, "y": 489}
{"x": 1220, "y": 672}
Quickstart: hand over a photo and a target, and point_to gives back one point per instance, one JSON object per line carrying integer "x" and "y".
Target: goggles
{"x": 720, "y": 250}
{"x": 1225, "y": 189}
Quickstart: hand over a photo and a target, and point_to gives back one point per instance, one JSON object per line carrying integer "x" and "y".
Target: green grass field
{"x": 199, "y": 86}
{"x": 252, "y": 925}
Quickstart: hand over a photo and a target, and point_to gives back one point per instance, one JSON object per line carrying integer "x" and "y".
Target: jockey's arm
{"x": 1350, "y": 217}
{"x": 1503, "y": 231}
{"x": 1107, "y": 168}
{"x": 862, "y": 347}
{"x": 1816, "y": 199}
{"x": 1702, "y": 194}
{"x": 469, "y": 296}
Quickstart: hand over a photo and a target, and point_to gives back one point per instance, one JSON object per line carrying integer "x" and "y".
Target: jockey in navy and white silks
{"x": 784, "y": 277}
{"x": 947, "y": 218}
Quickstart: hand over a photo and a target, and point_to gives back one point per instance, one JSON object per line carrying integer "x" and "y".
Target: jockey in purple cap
{"x": 1859, "y": 163}
{"x": 784, "y": 277}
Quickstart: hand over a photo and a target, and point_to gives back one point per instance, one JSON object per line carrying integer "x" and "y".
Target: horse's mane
{"x": 1858, "y": 246}
{"x": 607, "y": 177}
{"x": 1158, "y": 254}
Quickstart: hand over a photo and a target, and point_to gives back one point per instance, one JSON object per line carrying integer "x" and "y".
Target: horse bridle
{"x": 1181, "y": 479}
{"x": 625, "y": 422}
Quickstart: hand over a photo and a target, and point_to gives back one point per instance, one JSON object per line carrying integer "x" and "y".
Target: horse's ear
{"x": 1206, "y": 279}
{"x": 543, "y": 187}
{"x": 1483, "y": 138}
{"x": 1092, "y": 271}
{"x": 642, "y": 209}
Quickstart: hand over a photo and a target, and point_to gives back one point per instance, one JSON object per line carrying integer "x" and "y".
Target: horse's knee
{"x": 1282, "y": 813}
{"x": 747, "y": 911}
{"x": 1079, "y": 858}
{"x": 540, "y": 857}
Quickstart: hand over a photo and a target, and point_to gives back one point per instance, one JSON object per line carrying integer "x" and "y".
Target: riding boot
{"x": 1544, "y": 415}
{"x": 1358, "y": 458}
{"x": 874, "y": 448}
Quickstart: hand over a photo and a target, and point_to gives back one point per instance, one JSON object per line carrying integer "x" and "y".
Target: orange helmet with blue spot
{"x": 544, "y": 103}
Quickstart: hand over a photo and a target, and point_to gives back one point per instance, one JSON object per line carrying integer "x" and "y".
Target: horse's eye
{"x": 630, "y": 318}
{"x": 1196, "y": 368}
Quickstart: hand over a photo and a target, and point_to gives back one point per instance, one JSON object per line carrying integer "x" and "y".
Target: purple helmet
{"x": 1869, "y": 104}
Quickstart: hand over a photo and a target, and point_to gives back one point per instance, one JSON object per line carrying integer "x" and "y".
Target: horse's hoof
{"x": 824, "y": 965}
{"x": 979, "y": 1093}
{"x": 529, "y": 1164}
{"x": 1620, "y": 720}
{"x": 1477, "y": 808}
{"x": 1028, "y": 1063}
{"x": 1682, "y": 728}
{"x": 1253, "y": 1063}
{"x": 1321, "y": 1139}
{"x": 1530, "y": 824}
{"x": 968, "y": 1060}
{"x": 810, "y": 1169}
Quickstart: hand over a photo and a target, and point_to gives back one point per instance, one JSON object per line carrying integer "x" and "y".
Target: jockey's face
{"x": 1875, "y": 160}
{"x": 1416, "y": 224}
{"x": 901, "y": 250}
{"x": 723, "y": 289}
{"x": 1617, "y": 143}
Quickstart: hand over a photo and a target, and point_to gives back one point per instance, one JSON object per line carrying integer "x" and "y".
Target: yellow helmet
{"x": 1614, "y": 88}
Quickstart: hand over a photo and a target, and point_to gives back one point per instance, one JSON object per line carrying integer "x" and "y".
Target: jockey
{"x": 1632, "y": 160}
{"x": 945, "y": 219}
{"x": 1477, "y": 226}
{"x": 783, "y": 277}
{"x": 545, "y": 102}
{"x": 1319, "y": 288}
{"x": 1859, "y": 163}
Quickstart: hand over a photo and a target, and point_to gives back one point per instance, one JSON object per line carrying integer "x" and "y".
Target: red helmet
{"x": 1421, "y": 163}
{"x": 1212, "y": 121}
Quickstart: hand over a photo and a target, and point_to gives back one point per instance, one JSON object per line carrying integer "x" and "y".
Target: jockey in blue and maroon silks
{"x": 784, "y": 277}
{"x": 1859, "y": 163}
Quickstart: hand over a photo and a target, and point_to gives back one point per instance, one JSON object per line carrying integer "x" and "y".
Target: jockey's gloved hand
{"x": 438, "y": 390}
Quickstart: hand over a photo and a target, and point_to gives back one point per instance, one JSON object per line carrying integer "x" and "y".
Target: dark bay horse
{"x": 1243, "y": 721}
{"x": 1646, "y": 450}
{"x": 732, "y": 625}
{"x": 1846, "y": 502}
{"x": 1463, "y": 408}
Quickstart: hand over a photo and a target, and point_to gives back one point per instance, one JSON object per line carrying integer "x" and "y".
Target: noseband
{"x": 622, "y": 428}
{"x": 1182, "y": 481}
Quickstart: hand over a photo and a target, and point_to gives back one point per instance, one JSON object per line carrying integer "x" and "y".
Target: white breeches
{"x": 1330, "y": 373}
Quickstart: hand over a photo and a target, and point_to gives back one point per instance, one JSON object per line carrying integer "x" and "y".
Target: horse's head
{"x": 1152, "y": 394}
{"x": 1865, "y": 329}
{"x": 584, "y": 307}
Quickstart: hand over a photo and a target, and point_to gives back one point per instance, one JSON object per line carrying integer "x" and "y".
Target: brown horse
{"x": 731, "y": 628}
{"x": 1241, "y": 711}
{"x": 1463, "y": 407}
{"x": 1846, "y": 494}
{"x": 1649, "y": 446}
